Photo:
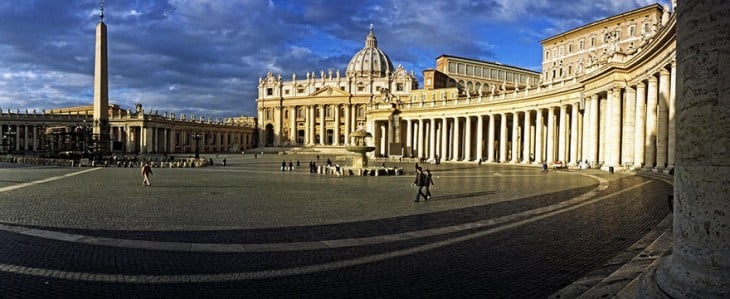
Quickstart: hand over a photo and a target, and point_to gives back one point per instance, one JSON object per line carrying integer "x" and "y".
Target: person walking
{"x": 429, "y": 183}
{"x": 419, "y": 183}
{"x": 146, "y": 171}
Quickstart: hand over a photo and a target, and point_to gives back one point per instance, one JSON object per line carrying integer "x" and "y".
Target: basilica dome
{"x": 370, "y": 60}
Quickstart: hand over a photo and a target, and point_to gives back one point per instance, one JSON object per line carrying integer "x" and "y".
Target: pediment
{"x": 330, "y": 91}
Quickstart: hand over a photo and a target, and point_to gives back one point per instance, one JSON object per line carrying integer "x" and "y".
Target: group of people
{"x": 423, "y": 179}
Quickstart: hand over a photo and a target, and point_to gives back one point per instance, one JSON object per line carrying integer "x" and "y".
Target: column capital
{"x": 652, "y": 79}
{"x": 663, "y": 72}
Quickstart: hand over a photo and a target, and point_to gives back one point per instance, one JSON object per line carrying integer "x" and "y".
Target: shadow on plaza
{"x": 465, "y": 195}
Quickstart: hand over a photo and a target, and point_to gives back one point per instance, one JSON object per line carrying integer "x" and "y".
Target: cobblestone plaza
{"x": 250, "y": 230}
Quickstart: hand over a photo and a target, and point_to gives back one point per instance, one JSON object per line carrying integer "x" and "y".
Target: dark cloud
{"x": 205, "y": 57}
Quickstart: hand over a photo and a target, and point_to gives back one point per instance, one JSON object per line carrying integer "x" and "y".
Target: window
{"x": 561, "y": 51}
{"x": 593, "y": 41}
{"x": 570, "y": 70}
{"x": 632, "y": 31}
{"x": 286, "y": 114}
{"x": 452, "y": 67}
{"x": 399, "y": 87}
{"x": 300, "y": 89}
{"x": 342, "y": 88}
{"x": 462, "y": 68}
{"x": 547, "y": 55}
{"x": 269, "y": 91}
{"x": 360, "y": 88}
{"x": 570, "y": 48}
{"x": 581, "y": 44}
{"x": 286, "y": 91}
{"x": 469, "y": 70}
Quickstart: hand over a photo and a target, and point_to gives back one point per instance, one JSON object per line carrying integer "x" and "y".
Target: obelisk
{"x": 101, "y": 88}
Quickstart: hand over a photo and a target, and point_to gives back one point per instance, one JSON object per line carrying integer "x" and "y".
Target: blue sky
{"x": 205, "y": 56}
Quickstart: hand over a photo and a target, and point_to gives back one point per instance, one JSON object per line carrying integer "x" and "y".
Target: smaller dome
{"x": 370, "y": 61}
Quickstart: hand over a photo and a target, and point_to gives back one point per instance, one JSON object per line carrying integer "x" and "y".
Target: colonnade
{"x": 147, "y": 137}
{"x": 628, "y": 124}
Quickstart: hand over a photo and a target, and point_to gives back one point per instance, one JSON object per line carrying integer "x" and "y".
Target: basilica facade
{"x": 605, "y": 97}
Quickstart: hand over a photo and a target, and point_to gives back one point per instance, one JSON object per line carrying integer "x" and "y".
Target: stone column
{"x": 165, "y": 141}
{"x": 562, "y": 127}
{"x": 671, "y": 130}
{"x": 419, "y": 146}
{"x": 467, "y": 139}
{"x": 432, "y": 139}
{"x": 293, "y": 125}
{"x": 593, "y": 131}
{"x": 699, "y": 266}
{"x": 651, "y": 124}
{"x": 322, "y": 124}
{"x": 444, "y": 139}
{"x": 409, "y": 138}
{"x": 539, "y": 137}
{"x": 640, "y": 123}
{"x": 662, "y": 120}
{"x": 503, "y": 138}
{"x": 36, "y": 138}
{"x": 550, "y": 139}
{"x": 574, "y": 134}
{"x": 628, "y": 126}
{"x": 457, "y": 140}
{"x": 514, "y": 152}
{"x": 25, "y": 138}
{"x": 613, "y": 152}
{"x": 490, "y": 141}
{"x": 480, "y": 138}
{"x": 526, "y": 139}
{"x": 348, "y": 124}
{"x": 336, "y": 131}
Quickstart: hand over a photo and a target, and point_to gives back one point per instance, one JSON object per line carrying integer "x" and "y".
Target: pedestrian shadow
{"x": 465, "y": 195}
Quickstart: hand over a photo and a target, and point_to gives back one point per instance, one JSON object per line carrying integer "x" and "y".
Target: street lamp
{"x": 196, "y": 137}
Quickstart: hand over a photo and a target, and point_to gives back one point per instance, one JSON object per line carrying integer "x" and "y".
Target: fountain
{"x": 360, "y": 147}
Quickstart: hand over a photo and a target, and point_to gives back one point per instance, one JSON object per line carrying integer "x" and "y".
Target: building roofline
{"x": 490, "y": 62}
{"x": 648, "y": 7}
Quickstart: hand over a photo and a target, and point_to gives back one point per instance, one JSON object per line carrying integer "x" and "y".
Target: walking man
{"x": 429, "y": 183}
{"x": 420, "y": 182}
{"x": 146, "y": 171}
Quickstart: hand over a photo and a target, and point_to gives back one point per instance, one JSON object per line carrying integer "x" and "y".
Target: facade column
{"x": 662, "y": 120}
{"x": 503, "y": 138}
{"x": 480, "y": 138}
{"x": 574, "y": 134}
{"x": 336, "y": 131}
{"x": 467, "y": 139}
{"x": 613, "y": 136}
{"x": 699, "y": 265}
{"x": 562, "y": 127}
{"x": 515, "y": 137}
{"x": 419, "y": 146}
{"x": 651, "y": 124}
{"x": 323, "y": 124}
{"x": 165, "y": 141}
{"x": 593, "y": 131}
{"x": 409, "y": 138}
{"x": 348, "y": 124}
{"x": 293, "y": 126}
{"x": 309, "y": 137}
{"x": 444, "y": 155}
{"x": 432, "y": 139}
{"x": 539, "y": 137}
{"x": 490, "y": 141}
{"x": 671, "y": 130}
{"x": 640, "y": 125}
{"x": 628, "y": 127}
{"x": 456, "y": 140}
{"x": 36, "y": 138}
{"x": 550, "y": 155}
{"x": 526, "y": 148}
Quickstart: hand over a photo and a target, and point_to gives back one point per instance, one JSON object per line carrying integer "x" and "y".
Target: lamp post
{"x": 196, "y": 137}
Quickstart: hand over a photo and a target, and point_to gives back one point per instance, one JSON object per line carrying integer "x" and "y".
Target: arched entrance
{"x": 269, "y": 135}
